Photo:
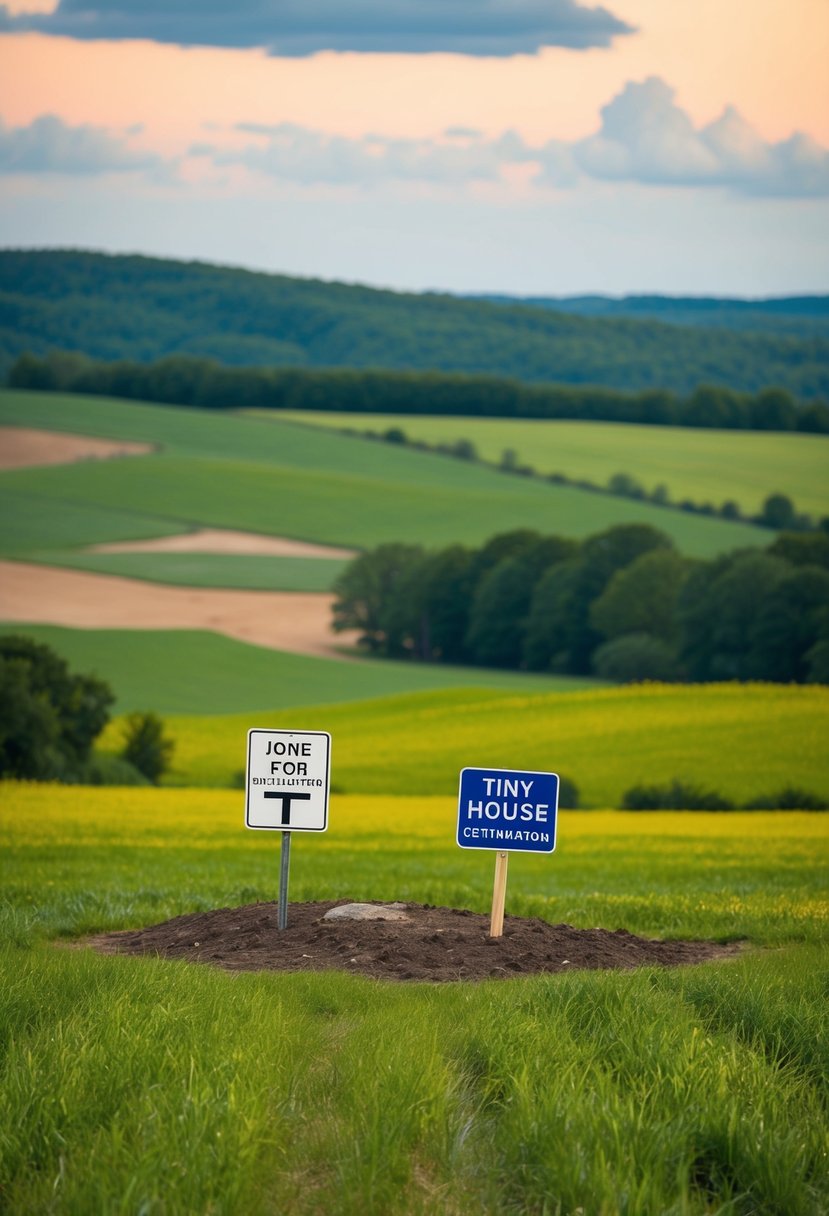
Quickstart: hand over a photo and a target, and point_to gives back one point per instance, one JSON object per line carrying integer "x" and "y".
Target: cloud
{"x": 311, "y": 157}
{"x": 303, "y": 27}
{"x": 644, "y": 138}
{"x": 49, "y": 145}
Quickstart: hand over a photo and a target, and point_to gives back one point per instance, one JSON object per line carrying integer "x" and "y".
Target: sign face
{"x": 287, "y": 780}
{"x": 507, "y": 810}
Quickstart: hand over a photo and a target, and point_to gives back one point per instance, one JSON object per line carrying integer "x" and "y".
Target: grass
{"x": 703, "y": 465}
{"x": 140, "y": 1085}
{"x": 742, "y": 740}
{"x": 280, "y": 478}
{"x": 30, "y": 523}
{"x": 244, "y": 571}
{"x": 180, "y": 671}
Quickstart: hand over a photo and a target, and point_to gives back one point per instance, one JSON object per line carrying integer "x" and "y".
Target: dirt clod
{"x": 436, "y": 944}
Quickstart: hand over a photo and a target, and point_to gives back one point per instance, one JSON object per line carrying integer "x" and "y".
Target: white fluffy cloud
{"x": 644, "y": 137}
{"x": 303, "y": 27}
{"x": 49, "y": 145}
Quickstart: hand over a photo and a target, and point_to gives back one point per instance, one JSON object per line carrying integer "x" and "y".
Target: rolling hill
{"x": 283, "y": 479}
{"x": 117, "y": 307}
{"x": 698, "y": 464}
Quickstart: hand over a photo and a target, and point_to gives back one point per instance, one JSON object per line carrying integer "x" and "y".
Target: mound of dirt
{"x": 429, "y": 944}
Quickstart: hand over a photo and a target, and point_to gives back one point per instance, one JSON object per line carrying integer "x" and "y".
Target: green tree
{"x": 29, "y": 727}
{"x": 718, "y": 607}
{"x": 365, "y": 593}
{"x": 504, "y": 544}
{"x": 788, "y": 625}
{"x": 497, "y": 615}
{"x": 146, "y": 747}
{"x": 773, "y": 410}
{"x": 777, "y": 512}
{"x": 817, "y": 658}
{"x": 70, "y": 710}
{"x": 642, "y": 597}
{"x": 802, "y": 548}
{"x": 601, "y": 556}
{"x": 446, "y": 586}
{"x": 548, "y": 620}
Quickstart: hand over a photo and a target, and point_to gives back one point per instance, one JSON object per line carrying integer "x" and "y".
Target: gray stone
{"x": 367, "y": 912}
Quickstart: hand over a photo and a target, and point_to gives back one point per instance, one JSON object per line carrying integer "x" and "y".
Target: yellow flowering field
{"x": 742, "y": 740}
{"x": 118, "y": 857}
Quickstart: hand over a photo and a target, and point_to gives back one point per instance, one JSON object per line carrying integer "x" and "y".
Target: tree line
{"x": 143, "y": 309}
{"x": 205, "y": 384}
{"x": 623, "y": 605}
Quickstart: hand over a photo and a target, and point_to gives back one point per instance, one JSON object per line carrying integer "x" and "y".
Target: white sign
{"x": 287, "y": 780}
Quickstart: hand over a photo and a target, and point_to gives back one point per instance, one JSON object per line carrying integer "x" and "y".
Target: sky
{"x": 535, "y": 147}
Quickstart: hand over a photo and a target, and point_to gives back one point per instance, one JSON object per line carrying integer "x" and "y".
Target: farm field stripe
{"x": 703, "y": 465}
{"x": 187, "y": 671}
{"x": 293, "y": 621}
{"x": 232, "y": 471}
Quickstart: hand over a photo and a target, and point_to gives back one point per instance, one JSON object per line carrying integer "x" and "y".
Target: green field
{"x": 244, "y": 571}
{"x": 188, "y": 671}
{"x": 743, "y": 740}
{"x": 702, "y": 465}
{"x": 138, "y": 1085}
{"x": 281, "y": 478}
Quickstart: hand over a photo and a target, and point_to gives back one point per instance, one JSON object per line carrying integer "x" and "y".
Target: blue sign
{"x": 507, "y": 810}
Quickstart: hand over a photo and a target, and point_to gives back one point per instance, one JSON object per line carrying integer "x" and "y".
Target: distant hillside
{"x": 795, "y": 316}
{"x": 113, "y": 307}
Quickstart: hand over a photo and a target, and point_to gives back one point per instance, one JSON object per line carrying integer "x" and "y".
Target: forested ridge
{"x": 142, "y": 309}
{"x": 801, "y": 316}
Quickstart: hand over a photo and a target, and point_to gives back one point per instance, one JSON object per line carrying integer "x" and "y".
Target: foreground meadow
{"x": 136, "y": 1085}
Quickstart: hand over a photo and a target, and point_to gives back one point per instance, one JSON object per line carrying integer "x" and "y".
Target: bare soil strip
{"x": 22, "y": 447}
{"x": 216, "y": 540}
{"x": 436, "y": 944}
{"x": 282, "y": 620}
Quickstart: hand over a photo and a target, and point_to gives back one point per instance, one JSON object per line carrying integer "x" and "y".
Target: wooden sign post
{"x": 499, "y": 893}
{"x": 506, "y": 811}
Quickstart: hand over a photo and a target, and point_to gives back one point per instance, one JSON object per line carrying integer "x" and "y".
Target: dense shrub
{"x": 146, "y": 747}
{"x": 104, "y": 769}
{"x": 678, "y": 796}
{"x": 568, "y": 794}
{"x": 636, "y": 656}
{"x": 790, "y": 798}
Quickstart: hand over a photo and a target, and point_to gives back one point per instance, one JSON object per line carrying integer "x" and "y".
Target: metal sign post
{"x": 287, "y": 782}
{"x": 284, "y": 869}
